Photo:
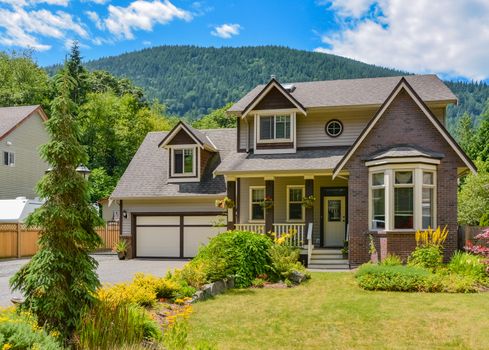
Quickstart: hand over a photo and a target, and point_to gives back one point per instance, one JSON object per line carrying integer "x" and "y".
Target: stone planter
{"x": 121, "y": 255}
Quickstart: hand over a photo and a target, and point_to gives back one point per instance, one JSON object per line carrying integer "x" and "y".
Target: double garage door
{"x": 169, "y": 235}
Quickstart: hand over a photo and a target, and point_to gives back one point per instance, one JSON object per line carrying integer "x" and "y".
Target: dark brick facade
{"x": 402, "y": 123}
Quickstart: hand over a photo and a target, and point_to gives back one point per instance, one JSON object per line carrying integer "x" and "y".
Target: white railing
{"x": 258, "y": 228}
{"x": 297, "y": 238}
{"x": 310, "y": 246}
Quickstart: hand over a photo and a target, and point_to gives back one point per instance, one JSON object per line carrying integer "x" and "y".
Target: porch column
{"x": 269, "y": 187}
{"x": 231, "y": 194}
{"x": 309, "y": 192}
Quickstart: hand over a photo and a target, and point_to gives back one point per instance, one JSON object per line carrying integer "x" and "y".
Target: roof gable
{"x": 276, "y": 89}
{"x": 12, "y": 117}
{"x": 403, "y": 85}
{"x": 182, "y": 132}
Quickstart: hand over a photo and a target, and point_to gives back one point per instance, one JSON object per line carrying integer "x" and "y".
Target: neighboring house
{"x": 110, "y": 210}
{"x": 374, "y": 154}
{"x": 22, "y": 132}
{"x": 16, "y": 210}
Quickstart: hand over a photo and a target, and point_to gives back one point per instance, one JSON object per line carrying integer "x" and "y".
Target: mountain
{"x": 192, "y": 80}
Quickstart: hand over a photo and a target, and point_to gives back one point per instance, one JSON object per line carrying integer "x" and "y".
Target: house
{"x": 22, "y": 132}
{"x": 109, "y": 212}
{"x": 333, "y": 160}
{"x": 16, "y": 210}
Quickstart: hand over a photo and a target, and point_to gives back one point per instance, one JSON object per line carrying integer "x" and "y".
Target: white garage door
{"x": 175, "y": 236}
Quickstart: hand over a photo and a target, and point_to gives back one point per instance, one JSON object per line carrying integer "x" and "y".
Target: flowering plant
{"x": 225, "y": 203}
{"x": 267, "y": 202}
{"x": 308, "y": 201}
{"x": 481, "y": 247}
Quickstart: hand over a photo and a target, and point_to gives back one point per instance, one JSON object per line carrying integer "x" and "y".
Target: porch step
{"x": 322, "y": 251}
{"x": 345, "y": 267}
{"x": 328, "y": 259}
{"x": 327, "y": 256}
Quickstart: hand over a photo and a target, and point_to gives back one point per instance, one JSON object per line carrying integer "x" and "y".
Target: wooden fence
{"x": 16, "y": 240}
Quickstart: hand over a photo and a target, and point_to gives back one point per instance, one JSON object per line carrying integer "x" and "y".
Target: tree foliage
{"x": 217, "y": 119}
{"x": 60, "y": 279}
{"x": 473, "y": 197}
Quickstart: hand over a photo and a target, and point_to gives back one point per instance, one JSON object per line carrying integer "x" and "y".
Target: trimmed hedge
{"x": 393, "y": 278}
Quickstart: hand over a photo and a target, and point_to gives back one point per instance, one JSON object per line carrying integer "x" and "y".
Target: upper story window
{"x": 334, "y": 128}
{"x": 275, "y": 128}
{"x": 8, "y": 158}
{"x": 183, "y": 161}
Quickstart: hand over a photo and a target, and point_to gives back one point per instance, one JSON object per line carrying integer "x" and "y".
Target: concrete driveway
{"x": 110, "y": 270}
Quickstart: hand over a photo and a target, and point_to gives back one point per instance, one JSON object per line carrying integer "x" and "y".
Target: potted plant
{"x": 225, "y": 203}
{"x": 344, "y": 250}
{"x": 267, "y": 203}
{"x": 121, "y": 249}
{"x": 308, "y": 201}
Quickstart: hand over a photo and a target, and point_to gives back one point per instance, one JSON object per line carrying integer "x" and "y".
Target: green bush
{"x": 258, "y": 283}
{"x": 21, "y": 331}
{"x": 468, "y": 265}
{"x": 444, "y": 281}
{"x": 284, "y": 260}
{"x": 426, "y": 256}
{"x": 393, "y": 278}
{"x": 240, "y": 253}
{"x": 391, "y": 260}
{"x": 106, "y": 326}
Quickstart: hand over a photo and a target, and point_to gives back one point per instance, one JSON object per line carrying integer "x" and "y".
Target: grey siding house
{"x": 332, "y": 161}
{"x": 22, "y": 132}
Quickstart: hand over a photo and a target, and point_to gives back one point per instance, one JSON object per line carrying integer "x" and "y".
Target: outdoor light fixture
{"x": 124, "y": 214}
{"x": 81, "y": 169}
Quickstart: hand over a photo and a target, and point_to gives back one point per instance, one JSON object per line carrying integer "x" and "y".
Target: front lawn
{"x": 332, "y": 312}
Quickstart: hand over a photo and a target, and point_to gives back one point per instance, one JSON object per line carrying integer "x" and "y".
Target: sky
{"x": 446, "y": 37}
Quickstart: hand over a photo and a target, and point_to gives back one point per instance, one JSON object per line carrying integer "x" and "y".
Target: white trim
{"x": 263, "y": 93}
{"x": 279, "y": 173}
{"x": 275, "y": 139}
{"x": 428, "y": 114}
{"x": 394, "y": 160}
{"x": 250, "y": 205}
{"x": 292, "y": 137}
{"x": 303, "y": 189}
{"x": 10, "y": 163}
{"x": 199, "y": 143}
{"x": 176, "y": 177}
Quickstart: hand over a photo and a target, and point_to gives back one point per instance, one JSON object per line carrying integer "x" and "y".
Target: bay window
{"x": 402, "y": 197}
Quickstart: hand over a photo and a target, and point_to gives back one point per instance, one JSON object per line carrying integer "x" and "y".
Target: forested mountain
{"x": 192, "y": 81}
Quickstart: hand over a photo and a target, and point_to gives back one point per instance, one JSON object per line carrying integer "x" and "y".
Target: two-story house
{"x": 22, "y": 132}
{"x": 333, "y": 160}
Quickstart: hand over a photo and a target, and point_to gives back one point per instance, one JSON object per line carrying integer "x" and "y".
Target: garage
{"x": 174, "y": 235}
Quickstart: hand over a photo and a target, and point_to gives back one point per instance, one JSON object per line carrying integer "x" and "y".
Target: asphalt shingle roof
{"x": 147, "y": 174}
{"x": 405, "y": 151}
{"x": 11, "y": 116}
{"x": 350, "y": 92}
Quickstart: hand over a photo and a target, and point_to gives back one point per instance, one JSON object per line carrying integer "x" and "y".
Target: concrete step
{"x": 326, "y": 251}
{"x": 345, "y": 267}
{"x": 327, "y": 256}
{"x": 329, "y": 262}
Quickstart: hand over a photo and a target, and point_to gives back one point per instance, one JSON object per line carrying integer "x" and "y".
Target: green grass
{"x": 332, "y": 312}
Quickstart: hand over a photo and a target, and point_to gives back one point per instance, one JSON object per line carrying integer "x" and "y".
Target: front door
{"x": 334, "y": 217}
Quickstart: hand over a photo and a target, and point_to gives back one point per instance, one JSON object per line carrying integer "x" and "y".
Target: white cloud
{"x": 23, "y": 3}
{"x": 100, "y": 2}
{"x": 21, "y": 27}
{"x": 142, "y": 15}
{"x": 226, "y": 31}
{"x": 94, "y": 17}
{"x": 146, "y": 42}
{"x": 447, "y": 37}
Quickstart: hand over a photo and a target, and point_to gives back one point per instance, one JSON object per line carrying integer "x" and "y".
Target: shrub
{"x": 21, "y": 331}
{"x": 258, "y": 283}
{"x": 106, "y": 326}
{"x": 240, "y": 253}
{"x": 284, "y": 260}
{"x": 127, "y": 293}
{"x": 195, "y": 273}
{"x": 393, "y": 278}
{"x": 426, "y": 256}
{"x": 468, "y": 264}
{"x": 391, "y": 260}
{"x": 450, "y": 283}
{"x": 163, "y": 288}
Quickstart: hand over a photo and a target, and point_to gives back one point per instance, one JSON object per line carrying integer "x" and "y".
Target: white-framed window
{"x": 402, "y": 197}
{"x": 274, "y": 128}
{"x": 334, "y": 128}
{"x": 295, "y": 209}
{"x": 257, "y": 212}
{"x": 8, "y": 158}
{"x": 183, "y": 161}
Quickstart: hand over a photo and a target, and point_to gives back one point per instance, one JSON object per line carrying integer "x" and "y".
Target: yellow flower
{"x": 7, "y": 346}
{"x": 54, "y": 334}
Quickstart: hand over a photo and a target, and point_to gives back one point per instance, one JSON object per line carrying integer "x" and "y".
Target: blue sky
{"x": 408, "y": 35}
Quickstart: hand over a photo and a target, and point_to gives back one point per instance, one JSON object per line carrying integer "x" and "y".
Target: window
{"x": 257, "y": 195}
{"x": 275, "y": 127}
{"x": 9, "y": 158}
{"x": 378, "y": 201}
{"x": 427, "y": 199}
{"x": 334, "y": 128}
{"x": 403, "y": 199}
{"x": 295, "y": 210}
{"x": 183, "y": 162}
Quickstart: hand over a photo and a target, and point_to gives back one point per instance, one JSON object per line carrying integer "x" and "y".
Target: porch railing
{"x": 297, "y": 239}
{"x": 258, "y": 228}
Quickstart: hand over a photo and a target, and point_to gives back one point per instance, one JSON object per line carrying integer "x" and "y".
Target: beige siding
{"x": 439, "y": 113}
{"x": 280, "y": 200}
{"x": 21, "y": 179}
{"x": 168, "y": 205}
{"x": 244, "y": 128}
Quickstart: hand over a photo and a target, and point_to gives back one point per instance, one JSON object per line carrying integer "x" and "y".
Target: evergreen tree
{"x": 481, "y": 139}
{"x": 78, "y": 72}
{"x": 60, "y": 280}
{"x": 464, "y": 133}
{"x": 217, "y": 119}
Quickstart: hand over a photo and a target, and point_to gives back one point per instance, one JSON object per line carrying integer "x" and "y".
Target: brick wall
{"x": 402, "y": 123}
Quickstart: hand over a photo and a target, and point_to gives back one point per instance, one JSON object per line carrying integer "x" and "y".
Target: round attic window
{"x": 334, "y": 128}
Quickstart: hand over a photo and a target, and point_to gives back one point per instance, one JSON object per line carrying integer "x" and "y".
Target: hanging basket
{"x": 225, "y": 203}
{"x": 267, "y": 203}
{"x": 308, "y": 201}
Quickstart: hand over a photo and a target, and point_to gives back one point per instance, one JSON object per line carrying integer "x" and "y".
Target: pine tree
{"x": 464, "y": 133}
{"x": 79, "y": 74}
{"x": 60, "y": 280}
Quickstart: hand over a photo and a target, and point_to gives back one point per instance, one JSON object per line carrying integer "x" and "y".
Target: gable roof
{"x": 146, "y": 176}
{"x": 403, "y": 84}
{"x": 12, "y": 117}
{"x": 199, "y": 137}
{"x": 273, "y": 83}
{"x": 354, "y": 92}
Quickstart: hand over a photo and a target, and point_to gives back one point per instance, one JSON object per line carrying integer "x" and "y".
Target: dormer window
{"x": 275, "y": 128}
{"x": 183, "y": 162}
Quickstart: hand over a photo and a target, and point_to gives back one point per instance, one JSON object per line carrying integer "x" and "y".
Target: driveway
{"x": 110, "y": 270}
